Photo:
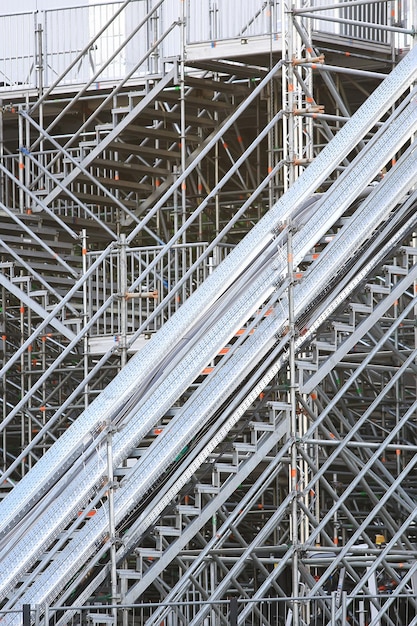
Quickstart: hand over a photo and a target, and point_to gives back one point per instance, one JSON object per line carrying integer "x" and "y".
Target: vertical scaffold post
{"x": 84, "y": 251}
{"x": 293, "y": 461}
{"x": 297, "y": 92}
{"x": 123, "y": 303}
{"x": 26, "y": 614}
{"x": 233, "y": 612}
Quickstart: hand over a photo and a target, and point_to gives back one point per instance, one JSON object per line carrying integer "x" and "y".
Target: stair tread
{"x": 188, "y": 509}
{"x": 396, "y": 269}
{"x": 158, "y": 133}
{"x": 225, "y": 467}
{"x": 132, "y": 148}
{"x": 174, "y": 117}
{"x": 324, "y": 345}
{"x": 202, "y": 103}
{"x": 117, "y": 183}
{"x": 216, "y": 85}
{"x": 131, "y": 167}
{"x": 241, "y": 446}
{"x": 169, "y": 531}
{"x": 360, "y": 308}
{"x": 86, "y": 198}
{"x": 262, "y": 426}
{"x": 202, "y": 488}
{"x": 384, "y": 289}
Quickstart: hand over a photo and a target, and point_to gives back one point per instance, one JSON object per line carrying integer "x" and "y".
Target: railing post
{"x": 334, "y": 607}
{"x": 233, "y": 612}
{"x": 26, "y": 614}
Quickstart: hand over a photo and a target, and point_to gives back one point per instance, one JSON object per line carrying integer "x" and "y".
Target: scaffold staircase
{"x": 71, "y": 477}
{"x": 137, "y": 157}
{"x": 379, "y": 299}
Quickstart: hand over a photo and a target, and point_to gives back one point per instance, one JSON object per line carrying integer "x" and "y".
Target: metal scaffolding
{"x": 208, "y": 330}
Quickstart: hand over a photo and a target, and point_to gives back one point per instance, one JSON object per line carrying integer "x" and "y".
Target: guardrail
{"x": 335, "y": 609}
{"x": 139, "y": 306}
{"x": 38, "y": 48}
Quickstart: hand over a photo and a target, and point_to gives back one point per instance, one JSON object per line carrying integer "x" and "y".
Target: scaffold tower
{"x": 208, "y": 292}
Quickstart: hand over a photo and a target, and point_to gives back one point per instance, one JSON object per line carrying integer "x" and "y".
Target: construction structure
{"x": 208, "y": 313}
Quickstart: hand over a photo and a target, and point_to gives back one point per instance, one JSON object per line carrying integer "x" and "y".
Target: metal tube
{"x": 293, "y": 486}
{"x": 344, "y": 70}
{"x": 376, "y": 26}
{"x": 112, "y": 524}
{"x": 346, "y": 3}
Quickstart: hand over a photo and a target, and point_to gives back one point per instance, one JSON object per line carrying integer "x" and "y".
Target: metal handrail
{"x": 79, "y": 57}
{"x": 120, "y": 84}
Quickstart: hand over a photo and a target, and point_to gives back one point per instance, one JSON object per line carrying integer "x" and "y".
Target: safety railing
{"x": 355, "y": 22}
{"x": 10, "y": 192}
{"x": 335, "y": 609}
{"x": 33, "y": 177}
{"x": 137, "y": 305}
{"x": 216, "y": 21}
{"x": 18, "y": 51}
{"x": 115, "y": 43}
{"x": 118, "y": 307}
{"x": 37, "y": 49}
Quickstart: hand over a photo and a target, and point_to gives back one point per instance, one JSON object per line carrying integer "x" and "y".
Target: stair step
{"x": 168, "y": 531}
{"x": 31, "y": 253}
{"x": 35, "y": 224}
{"x": 158, "y": 133}
{"x": 37, "y": 293}
{"x": 306, "y": 365}
{"x": 121, "y": 110}
{"x": 396, "y": 269}
{"x": 358, "y": 307}
{"x": 120, "y": 472}
{"x": 24, "y": 241}
{"x": 174, "y": 117}
{"x": 343, "y": 327}
{"x": 200, "y": 103}
{"x": 202, "y": 488}
{"x": 106, "y": 127}
{"x": 241, "y": 446}
{"x": 262, "y": 426}
{"x": 188, "y": 509}
{"x": 324, "y": 346}
{"x": 134, "y": 168}
{"x": 148, "y": 553}
{"x": 225, "y": 468}
{"x": 382, "y": 289}
{"x": 410, "y": 250}
{"x": 216, "y": 85}
{"x": 129, "y": 574}
{"x": 145, "y": 150}
{"x": 279, "y": 406}
{"x": 86, "y": 198}
{"x": 120, "y": 183}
